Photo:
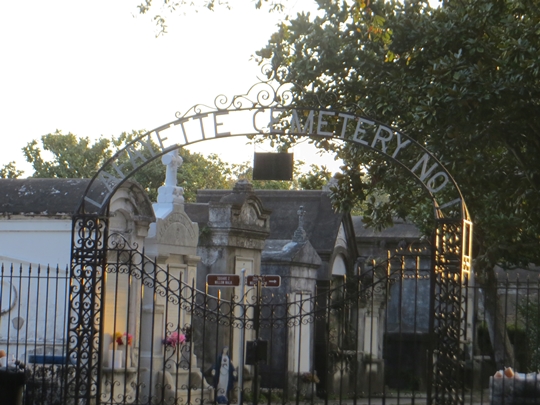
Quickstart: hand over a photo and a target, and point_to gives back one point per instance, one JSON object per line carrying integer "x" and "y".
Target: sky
{"x": 97, "y": 69}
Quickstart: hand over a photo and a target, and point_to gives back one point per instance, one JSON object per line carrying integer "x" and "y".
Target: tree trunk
{"x": 495, "y": 318}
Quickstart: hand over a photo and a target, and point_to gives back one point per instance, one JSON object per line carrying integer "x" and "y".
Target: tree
{"x": 169, "y": 7}
{"x": 463, "y": 79}
{"x": 315, "y": 179}
{"x": 72, "y": 157}
{"x": 9, "y": 171}
{"x": 199, "y": 172}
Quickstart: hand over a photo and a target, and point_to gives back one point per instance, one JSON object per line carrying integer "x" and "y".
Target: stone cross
{"x": 300, "y": 234}
{"x": 301, "y": 212}
{"x": 173, "y": 161}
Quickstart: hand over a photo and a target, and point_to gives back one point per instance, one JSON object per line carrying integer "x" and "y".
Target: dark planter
{"x": 12, "y": 382}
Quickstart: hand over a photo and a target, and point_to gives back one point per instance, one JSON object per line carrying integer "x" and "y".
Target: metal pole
{"x": 242, "y": 337}
{"x": 256, "y": 326}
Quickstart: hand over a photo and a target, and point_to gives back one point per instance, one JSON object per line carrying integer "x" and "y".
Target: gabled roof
{"x": 54, "y": 197}
{"x": 401, "y": 230}
{"x": 41, "y": 196}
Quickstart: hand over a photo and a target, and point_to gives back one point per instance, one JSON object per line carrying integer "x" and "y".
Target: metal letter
{"x": 272, "y": 123}
{"x": 133, "y": 154}
{"x": 346, "y": 117}
{"x": 360, "y": 130}
{"x": 259, "y": 110}
{"x": 295, "y": 123}
{"x": 383, "y": 140}
{"x": 322, "y": 123}
{"x": 453, "y": 202}
{"x": 118, "y": 168}
{"x": 424, "y": 161}
{"x": 400, "y": 145}
{"x": 108, "y": 180}
{"x": 431, "y": 182}
{"x": 216, "y": 124}
{"x": 160, "y": 140}
{"x": 148, "y": 145}
{"x": 200, "y": 117}
{"x": 93, "y": 202}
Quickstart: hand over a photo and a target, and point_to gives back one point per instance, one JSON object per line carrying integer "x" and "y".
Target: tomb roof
{"x": 401, "y": 230}
{"x": 320, "y": 222}
{"x": 51, "y": 196}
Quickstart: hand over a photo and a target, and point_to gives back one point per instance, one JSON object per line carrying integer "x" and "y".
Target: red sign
{"x": 266, "y": 281}
{"x": 223, "y": 280}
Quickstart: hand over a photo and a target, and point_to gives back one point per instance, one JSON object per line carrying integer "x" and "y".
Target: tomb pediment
{"x": 174, "y": 234}
{"x": 177, "y": 229}
{"x": 240, "y": 210}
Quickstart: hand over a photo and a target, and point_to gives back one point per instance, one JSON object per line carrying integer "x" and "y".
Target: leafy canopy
{"x": 10, "y": 171}
{"x": 462, "y": 79}
{"x": 70, "y": 156}
{"x": 160, "y": 13}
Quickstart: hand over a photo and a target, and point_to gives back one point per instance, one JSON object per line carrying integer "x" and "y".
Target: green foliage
{"x": 462, "y": 79}
{"x": 527, "y": 339}
{"x": 9, "y": 171}
{"x": 169, "y": 7}
{"x": 315, "y": 179}
{"x": 72, "y": 157}
{"x": 199, "y": 172}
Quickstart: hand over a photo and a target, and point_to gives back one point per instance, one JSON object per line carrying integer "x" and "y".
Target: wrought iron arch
{"x": 270, "y": 109}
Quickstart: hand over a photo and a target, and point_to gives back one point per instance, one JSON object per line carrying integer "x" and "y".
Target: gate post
{"x": 89, "y": 250}
{"x": 448, "y": 321}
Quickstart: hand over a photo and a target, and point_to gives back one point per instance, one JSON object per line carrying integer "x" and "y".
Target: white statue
{"x": 224, "y": 375}
{"x": 173, "y": 161}
{"x": 170, "y": 193}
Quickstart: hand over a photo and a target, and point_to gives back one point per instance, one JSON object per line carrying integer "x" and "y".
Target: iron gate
{"x": 156, "y": 339}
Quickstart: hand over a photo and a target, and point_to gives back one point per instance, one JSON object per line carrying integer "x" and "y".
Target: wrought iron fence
{"x": 33, "y": 319}
{"x": 356, "y": 339}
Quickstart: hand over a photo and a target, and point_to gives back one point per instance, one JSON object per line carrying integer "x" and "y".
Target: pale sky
{"x": 96, "y": 68}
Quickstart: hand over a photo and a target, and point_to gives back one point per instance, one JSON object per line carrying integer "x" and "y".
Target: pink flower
{"x": 123, "y": 339}
{"x": 174, "y": 339}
